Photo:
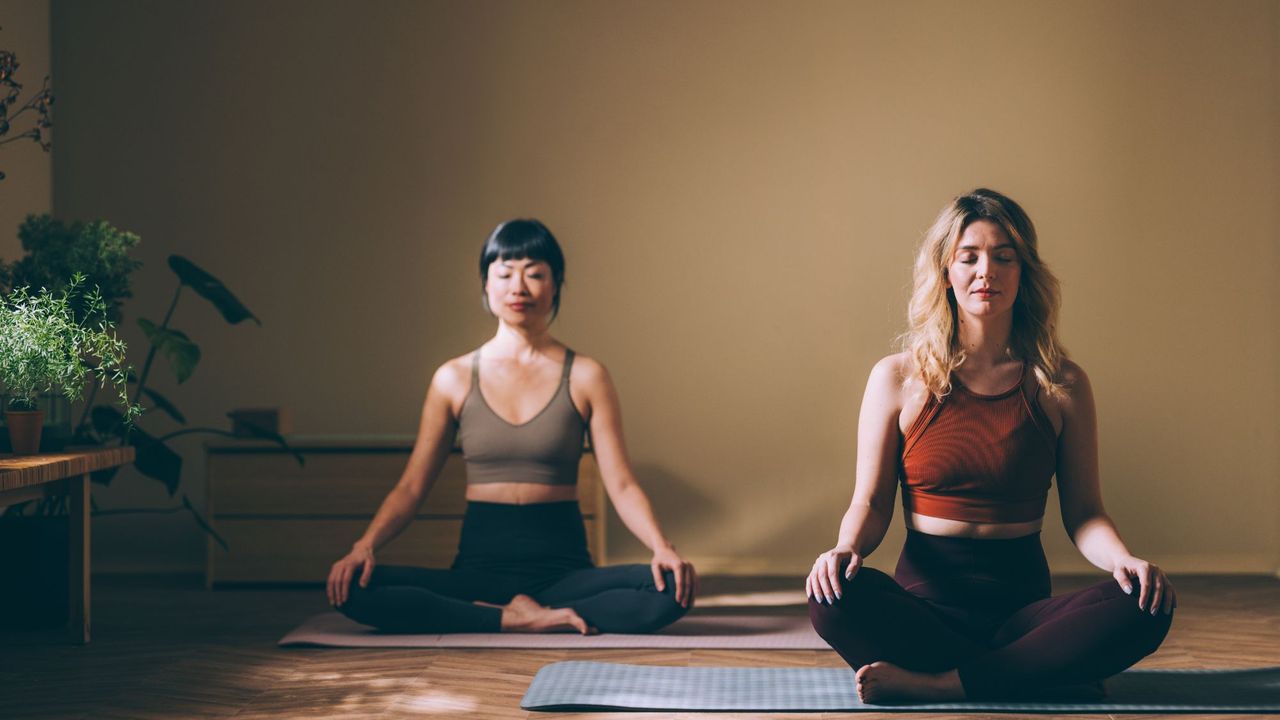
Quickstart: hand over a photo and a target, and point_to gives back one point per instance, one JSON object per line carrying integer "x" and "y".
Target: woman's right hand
{"x": 360, "y": 560}
{"x": 823, "y": 582}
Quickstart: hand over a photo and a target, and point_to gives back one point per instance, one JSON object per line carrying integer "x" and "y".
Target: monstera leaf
{"x": 182, "y": 354}
{"x": 152, "y": 457}
{"x": 211, "y": 288}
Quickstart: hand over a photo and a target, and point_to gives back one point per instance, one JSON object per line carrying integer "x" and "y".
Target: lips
{"x": 986, "y": 292}
{"x": 519, "y": 307}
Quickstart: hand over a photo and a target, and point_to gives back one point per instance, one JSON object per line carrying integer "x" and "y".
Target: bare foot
{"x": 882, "y": 681}
{"x": 524, "y": 614}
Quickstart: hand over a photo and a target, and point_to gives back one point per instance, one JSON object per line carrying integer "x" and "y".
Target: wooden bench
{"x": 286, "y": 523}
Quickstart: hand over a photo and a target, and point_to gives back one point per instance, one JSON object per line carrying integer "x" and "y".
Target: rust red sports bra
{"x": 979, "y": 458}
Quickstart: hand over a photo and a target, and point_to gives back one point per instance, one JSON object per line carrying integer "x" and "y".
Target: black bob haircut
{"x": 523, "y": 239}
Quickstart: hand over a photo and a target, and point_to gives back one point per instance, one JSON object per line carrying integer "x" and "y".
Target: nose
{"x": 520, "y": 286}
{"x": 986, "y": 269}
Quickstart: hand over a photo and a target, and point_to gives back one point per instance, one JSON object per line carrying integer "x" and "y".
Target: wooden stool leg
{"x": 78, "y": 558}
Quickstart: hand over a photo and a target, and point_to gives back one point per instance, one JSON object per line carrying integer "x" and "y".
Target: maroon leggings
{"x": 983, "y": 607}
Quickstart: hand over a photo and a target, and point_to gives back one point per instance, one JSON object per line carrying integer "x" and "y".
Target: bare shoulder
{"x": 453, "y": 378}
{"x": 1076, "y": 382}
{"x": 891, "y": 377}
{"x": 588, "y": 373}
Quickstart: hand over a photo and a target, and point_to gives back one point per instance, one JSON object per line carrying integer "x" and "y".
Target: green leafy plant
{"x": 45, "y": 345}
{"x": 154, "y": 457}
{"x": 56, "y": 251}
{"x": 101, "y": 252}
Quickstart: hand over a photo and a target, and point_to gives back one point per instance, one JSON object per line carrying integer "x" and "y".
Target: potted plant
{"x": 45, "y": 345}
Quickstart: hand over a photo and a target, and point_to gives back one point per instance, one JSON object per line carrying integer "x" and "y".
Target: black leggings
{"x": 507, "y": 550}
{"x": 983, "y": 607}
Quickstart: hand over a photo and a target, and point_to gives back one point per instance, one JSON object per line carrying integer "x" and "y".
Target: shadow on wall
{"x": 679, "y": 506}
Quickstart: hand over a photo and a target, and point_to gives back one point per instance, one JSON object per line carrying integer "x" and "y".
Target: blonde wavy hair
{"x": 932, "y": 341}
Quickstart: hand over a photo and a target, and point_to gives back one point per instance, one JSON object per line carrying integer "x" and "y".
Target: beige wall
{"x": 28, "y": 186}
{"x": 739, "y": 187}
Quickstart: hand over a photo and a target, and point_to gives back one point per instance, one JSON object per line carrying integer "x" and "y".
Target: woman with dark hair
{"x": 973, "y": 419}
{"x": 522, "y": 562}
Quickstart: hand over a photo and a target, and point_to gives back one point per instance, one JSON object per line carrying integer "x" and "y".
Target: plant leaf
{"x": 278, "y": 439}
{"x": 182, "y": 354}
{"x": 153, "y": 458}
{"x": 211, "y": 288}
{"x": 162, "y": 403}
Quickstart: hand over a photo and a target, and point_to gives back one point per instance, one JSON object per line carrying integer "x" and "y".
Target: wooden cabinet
{"x": 286, "y": 523}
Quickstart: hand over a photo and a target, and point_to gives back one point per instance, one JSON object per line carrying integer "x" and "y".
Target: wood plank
{"x": 17, "y": 471}
{"x": 169, "y": 649}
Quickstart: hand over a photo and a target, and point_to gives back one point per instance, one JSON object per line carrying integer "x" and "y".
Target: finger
{"x": 1122, "y": 578}
{"x": 658, "y": 582}
{"x": 344, "y": 580}
{"x": 328, "y": 588}
{"x": 1144, "y": 580}
{"x": 833, "y": 573}
{"x": 1157, "y": 592}
{"x": 367, "y": 575}
{"x": 824, "y": 583}
{"x": 1169, "y": 600}
{"x": 682, "y": 585}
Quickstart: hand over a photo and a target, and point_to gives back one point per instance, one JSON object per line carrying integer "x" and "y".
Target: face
{"x": 984, "y": 271}
{"x": 520, "y": 291}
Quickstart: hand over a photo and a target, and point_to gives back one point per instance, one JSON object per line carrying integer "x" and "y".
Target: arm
{"x": 430, "y": 450}
{"x": 867, "y": 519}
{"x": 1080, "y": 495}
{"x": 628, "y": 498}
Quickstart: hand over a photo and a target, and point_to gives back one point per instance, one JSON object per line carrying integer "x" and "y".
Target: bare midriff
{"x": 521, "y": 493}
{"x": 930, "y": 525}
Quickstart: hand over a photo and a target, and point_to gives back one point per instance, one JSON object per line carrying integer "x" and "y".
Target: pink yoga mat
{"x": 745, "y": 632}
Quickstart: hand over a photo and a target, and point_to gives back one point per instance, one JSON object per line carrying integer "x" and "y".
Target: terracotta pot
{"x": 24, "y": 430}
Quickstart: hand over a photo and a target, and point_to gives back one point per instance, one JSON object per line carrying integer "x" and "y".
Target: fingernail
{"x": 838, "y": 596}
{"x": 1128, "y": 590}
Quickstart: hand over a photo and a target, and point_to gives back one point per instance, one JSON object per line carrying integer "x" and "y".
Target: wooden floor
{"x": 168, "y": 649}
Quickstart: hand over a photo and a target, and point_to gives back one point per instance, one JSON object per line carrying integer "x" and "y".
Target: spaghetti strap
{"x": 568, "y": 365}
{"x": 475, "y": 368}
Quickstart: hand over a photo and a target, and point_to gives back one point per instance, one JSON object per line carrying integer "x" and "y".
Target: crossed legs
{"x": 1075, "y": 638}
{"x": 616, "y": 599}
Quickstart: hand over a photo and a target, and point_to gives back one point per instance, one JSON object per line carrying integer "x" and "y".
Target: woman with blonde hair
{"x": 973, "y": 419}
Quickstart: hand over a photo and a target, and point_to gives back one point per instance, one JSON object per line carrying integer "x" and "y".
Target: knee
{"x": 660, "y": 607}
{"x": 825, "y": 616}
{"x": 1148, "y": 630}
{"x": 356, "y": 604}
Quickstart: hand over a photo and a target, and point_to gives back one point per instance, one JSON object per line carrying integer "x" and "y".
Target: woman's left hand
{"x": 666, "y": 558}
{"x": 1155, "y": 591}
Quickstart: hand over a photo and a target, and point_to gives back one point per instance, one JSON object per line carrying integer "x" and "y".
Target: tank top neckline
{"x": 475, "y": 388}
{"x": 1022, "y": 381}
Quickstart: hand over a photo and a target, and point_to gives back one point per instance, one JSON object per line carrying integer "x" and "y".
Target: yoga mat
{"x": 745, "y": 632}
{"x": 582, "y": 686}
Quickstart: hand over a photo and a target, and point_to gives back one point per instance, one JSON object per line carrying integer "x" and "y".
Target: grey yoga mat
{"x": 580, "y": 686}
{"x": 741, "y": 632}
